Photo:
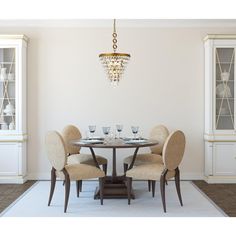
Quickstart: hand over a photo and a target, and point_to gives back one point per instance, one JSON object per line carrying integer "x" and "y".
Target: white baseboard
{"x": 13, "y": 179}
{"x": 220, "y": 179}
{"x": 183, "y": 176}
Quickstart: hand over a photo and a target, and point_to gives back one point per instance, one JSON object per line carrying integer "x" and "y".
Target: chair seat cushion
{"x": 144, "y": 159}
{"x": 85, "y": 159}
{"x": 81, "y": 171}
{"x": 149, "y": 172}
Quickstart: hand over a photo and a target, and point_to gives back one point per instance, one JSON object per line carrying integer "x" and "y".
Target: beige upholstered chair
{"x": 56, "y": 153}
{"x": 70, "y": 132}
{"x": 159, "y": 133}
{"x": 173, "y": 152}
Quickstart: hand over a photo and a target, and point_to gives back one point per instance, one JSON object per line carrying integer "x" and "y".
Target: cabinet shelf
{"x": 219, "y": 80}
{"x": 224, "y": 62}
{"x": 7, "y": 62}
{"x": 11, "y": 81}
{"x": 231, "y": 99}
{"x": 7, "y": 98}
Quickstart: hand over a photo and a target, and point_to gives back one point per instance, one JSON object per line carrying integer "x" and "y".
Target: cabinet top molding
{"x": 220, "y": 36}
{"x": 14, "y": 36}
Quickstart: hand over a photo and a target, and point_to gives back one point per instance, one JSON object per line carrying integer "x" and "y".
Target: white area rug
{"x": 34, "y": 203}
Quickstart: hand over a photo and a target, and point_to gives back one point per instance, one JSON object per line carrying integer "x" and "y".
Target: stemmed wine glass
{"x": 106, "y": 130}
{"x": 134, "y": 130}
{"x": 119, "y": 129}
{"x": 92, "y": 129}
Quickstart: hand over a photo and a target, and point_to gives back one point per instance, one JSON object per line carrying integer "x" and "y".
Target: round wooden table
{"x": 114, "y": 186}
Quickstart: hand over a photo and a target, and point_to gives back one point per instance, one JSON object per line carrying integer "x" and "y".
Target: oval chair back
{"x": 159, "y": 133}
{"x": 173, "y": 150}
{"x": 56, "y": 151}
{"x": 69, "y": 133}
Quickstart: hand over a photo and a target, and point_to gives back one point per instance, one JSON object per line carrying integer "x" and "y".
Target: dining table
{"x": 115, "y": 185}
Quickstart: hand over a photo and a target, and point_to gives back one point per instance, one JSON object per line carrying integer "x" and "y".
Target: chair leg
{"x": 153, "y": 188}
{"x": 101, "y": 188}
{"x": 166, "y": 182}
{"x": 67, "y": 189}
{"x": 149, "y": 185}
{"x": 80, "y": 185}
{"x": 104, "y": 167}
{"x": 162, "y": 186}
{"x": 125, "y": 167}
{"x": 63, "y": 183}
{"x": 177, "y": 184}
{"x": 53, "y": 183}
{"x": 77, "y": 187}
{"x": 129, "y": 186}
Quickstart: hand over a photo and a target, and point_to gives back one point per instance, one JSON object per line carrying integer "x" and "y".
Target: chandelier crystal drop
{"x": 114, "y": 63}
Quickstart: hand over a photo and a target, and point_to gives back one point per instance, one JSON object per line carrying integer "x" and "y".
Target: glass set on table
{"x": 110, "y": 137}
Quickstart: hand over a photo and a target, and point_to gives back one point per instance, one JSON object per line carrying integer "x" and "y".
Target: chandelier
{"x": 114, "y": 62}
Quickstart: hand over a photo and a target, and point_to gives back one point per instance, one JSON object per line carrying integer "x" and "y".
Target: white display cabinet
{"x": 220, "y": 109}
{"x": 13, "y": 130}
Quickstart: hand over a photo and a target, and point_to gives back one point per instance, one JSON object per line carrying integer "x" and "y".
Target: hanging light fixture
{"x": 114, "y": 63}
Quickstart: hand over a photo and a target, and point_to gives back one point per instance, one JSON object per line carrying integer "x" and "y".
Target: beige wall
{"x": 163, "y": 83}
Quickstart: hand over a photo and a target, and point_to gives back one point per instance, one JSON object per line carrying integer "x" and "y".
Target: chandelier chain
{"x": 114, "y": 35}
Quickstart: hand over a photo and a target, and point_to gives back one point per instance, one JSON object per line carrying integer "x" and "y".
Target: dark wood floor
{"x": 10, "y": 192}
{"x": 224, "y": 195}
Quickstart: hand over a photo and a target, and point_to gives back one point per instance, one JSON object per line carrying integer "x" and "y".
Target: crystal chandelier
{"x": 114, "y": 63}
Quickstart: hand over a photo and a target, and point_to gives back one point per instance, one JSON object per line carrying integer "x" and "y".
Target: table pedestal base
{"x": 114, "y": 187}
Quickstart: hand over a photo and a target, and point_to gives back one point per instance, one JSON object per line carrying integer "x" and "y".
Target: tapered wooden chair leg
{"x": 129, "y": 187}
{"x": 149, "y": 185}
{"x": 177, "y": 184}
{"x": 101, "y": 189}
{"x": 153, "y": 188}
{"x": 104, "y": 168}
{"x": 80, "y": 185}
{"x": 125, "y": 167}
{"x": 53, "y": 183}
{"x": 162, "y": 186}
{"x": 77, "y": 187}
{"x": 67, "y": 191}
{"x": 166, "y": 182}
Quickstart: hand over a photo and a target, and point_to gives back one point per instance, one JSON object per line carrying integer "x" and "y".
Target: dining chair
{"x": 159, "y": 133}
{"x": 69, "y": 133}
{"x": 173, "y": 152}
{"x": 56, "y": 152}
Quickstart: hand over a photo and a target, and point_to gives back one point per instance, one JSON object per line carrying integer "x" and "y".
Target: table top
{"x": 115, "y": 143}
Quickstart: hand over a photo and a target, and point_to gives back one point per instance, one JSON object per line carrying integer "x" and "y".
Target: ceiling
{"x": 129, "y": 23}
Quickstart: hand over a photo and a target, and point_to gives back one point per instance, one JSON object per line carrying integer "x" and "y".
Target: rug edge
{"x": 18, "y": 199}
{"x": 209, "y": 199}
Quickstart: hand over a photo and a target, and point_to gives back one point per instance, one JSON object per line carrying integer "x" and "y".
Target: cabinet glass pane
{"x": 224, "y": 59}
{"x": 7, "y": 89}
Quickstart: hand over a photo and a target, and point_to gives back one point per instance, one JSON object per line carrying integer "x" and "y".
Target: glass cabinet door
{"x": 224, "y": 74}
{"x": 7, "y": 89}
